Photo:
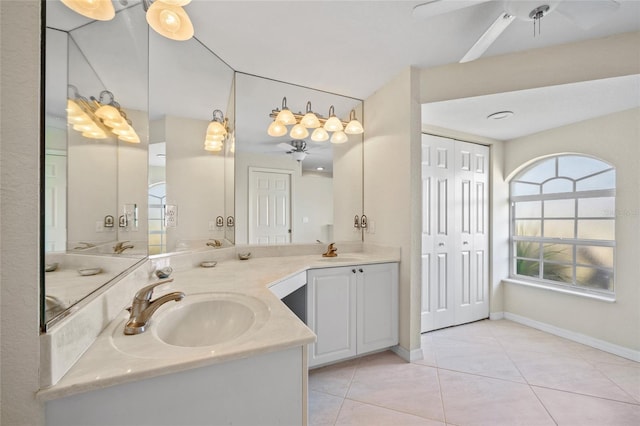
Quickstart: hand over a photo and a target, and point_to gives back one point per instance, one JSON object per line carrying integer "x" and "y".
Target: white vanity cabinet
{"x": 352, "y": 310}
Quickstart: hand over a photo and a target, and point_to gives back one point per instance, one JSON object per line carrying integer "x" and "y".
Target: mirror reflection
{"x": 188, "y": 83}
{"x": 96, "y": 135}
{"x": 293, "y": 189}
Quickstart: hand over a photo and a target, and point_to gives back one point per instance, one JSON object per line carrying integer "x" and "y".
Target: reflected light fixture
{"x": 169, "y": 19}
{"x": 108, "y": 110}
{"x": 217, "y": 131}
{"x": 310, "y": 120}
{"x": 100, "y": 10}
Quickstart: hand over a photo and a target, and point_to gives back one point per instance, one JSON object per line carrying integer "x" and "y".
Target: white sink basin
{"x": 205, "y": 323}
{"x": 201, "y": 322}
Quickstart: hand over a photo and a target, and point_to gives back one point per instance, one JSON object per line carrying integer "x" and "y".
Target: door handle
{"x": 465, "y": 242}
{"x": 440, "y": 244}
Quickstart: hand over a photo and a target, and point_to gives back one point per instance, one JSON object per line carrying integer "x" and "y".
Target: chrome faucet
{"x": 121, "y": 247}
{"x": 143, "y": 307}
{"x": 214, "y": 243}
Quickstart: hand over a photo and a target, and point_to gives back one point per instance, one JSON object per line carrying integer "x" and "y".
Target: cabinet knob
{"x": 440, "y": 244}
{"x": 465, "y": 242}
{"x": 353, "y": 270}
{"x": 360, "y": 270}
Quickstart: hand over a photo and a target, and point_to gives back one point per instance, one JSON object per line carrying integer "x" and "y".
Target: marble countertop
{"x": 103, "y": 364}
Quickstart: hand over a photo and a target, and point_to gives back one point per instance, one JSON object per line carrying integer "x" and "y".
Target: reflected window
{"x": 563, "y": 223}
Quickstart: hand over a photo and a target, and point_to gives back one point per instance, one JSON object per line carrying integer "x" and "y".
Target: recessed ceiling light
{"x": 319, "y": 169}
{"x": 500, "y": 115}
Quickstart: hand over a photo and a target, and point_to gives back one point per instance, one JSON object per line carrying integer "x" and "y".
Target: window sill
{"x": 601, "y": 297}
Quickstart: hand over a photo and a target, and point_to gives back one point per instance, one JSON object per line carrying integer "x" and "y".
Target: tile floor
{"x": 485, "y": 373}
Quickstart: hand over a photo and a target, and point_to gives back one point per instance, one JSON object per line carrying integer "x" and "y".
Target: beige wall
{"x": 616, "y": 139}
{"x": 392, "y": 187}
{"x": 19, "y": 215}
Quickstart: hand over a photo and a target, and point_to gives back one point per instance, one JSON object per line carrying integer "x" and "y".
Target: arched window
{"x": 563, "y": 223}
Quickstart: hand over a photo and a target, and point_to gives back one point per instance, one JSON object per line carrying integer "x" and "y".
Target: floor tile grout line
{"x": 444, "y": 411}
{"x": 395, "y": 410}
{"x": 637, "y": 404}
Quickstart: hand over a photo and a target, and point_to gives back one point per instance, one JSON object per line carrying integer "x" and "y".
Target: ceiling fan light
{"x": 333, "y": 124}
{"x": 286, "y": 117}
{"x": 319, "y": 135}
{"x": 299, "y": 155}
{"x": 170, "y": 21}
{"x": 277, "y": 128}
{"x": 339, "y": 137}
{"x": 310, "y": 121}
{"x": 299, "y": 132}
{"x": 100, "y": 10}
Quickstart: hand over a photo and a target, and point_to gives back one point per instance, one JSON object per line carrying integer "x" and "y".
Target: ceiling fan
{"x": 297, "y": 149}
{"x": 586, "y": 14}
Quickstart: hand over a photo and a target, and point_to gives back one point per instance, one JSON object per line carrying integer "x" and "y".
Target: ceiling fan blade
{"x": 489, "y": 36}
{"x": 285, "y": 146}
{"x": 588, "y": 14}
{"x": 439, "y": 7}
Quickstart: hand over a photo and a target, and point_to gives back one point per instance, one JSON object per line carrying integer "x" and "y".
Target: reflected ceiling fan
{"x": 297, "y": 149}
{"x": 585, "y": 14}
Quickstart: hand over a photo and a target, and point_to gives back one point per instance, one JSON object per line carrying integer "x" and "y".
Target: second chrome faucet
{"x": 143, "y": 307}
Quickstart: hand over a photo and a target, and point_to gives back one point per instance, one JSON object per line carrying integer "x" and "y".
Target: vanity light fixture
{"x": 108, "y": 110}
{"x": 310, "y": 120}
{"x": 100, "y": 10}
{"x": 81, "y": 118}
{"x": 216, "y": 132}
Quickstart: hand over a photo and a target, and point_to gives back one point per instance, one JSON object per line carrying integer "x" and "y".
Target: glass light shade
{"x": 123, "y": 132}
{"x": 101, "y": 10}
{"x": 73, "y": 109}
{"x": 130, "y": 137}
{"x": 79, "y": 119}
{"x": 108, "y": 112}
{"x": 354, "y": 128}
{"x": 122, "y": 124}
{"x": 333, "y": 124}
{"x": 84, "y": 127}
{"x": 339, "y": 137}
{"x": 216, "y": 128}
{"x": 277, "y": 128}
{"x": 299, "y": 132}
{"x": 97, "y": 133}
{"x": 319, "y": 135}
{"x": 214, "y": 138}
{"x": 286, "y": 117}
{"x": 310, "y": 121}
{"x": 299, "y": 155}
{"x": 213, "y": 146}
{"x": 170, "y": 21}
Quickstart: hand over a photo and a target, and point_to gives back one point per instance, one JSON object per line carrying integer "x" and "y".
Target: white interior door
{"x": 437, "y": 232}
{"x": 55, "y": 197}
{"x": 454, "y": 232}
{"x": 269, "y": 207}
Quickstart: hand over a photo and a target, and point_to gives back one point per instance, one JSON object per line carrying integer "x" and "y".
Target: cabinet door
{"x": 331, "y": 313}
{"x": 377, "y": 307}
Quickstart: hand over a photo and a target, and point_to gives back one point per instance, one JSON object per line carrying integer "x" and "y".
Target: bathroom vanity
{"x": 256, "y": 377}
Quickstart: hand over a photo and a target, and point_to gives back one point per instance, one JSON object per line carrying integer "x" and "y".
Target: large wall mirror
{"x": 293, "y": 189}
{"x": 95, "y": 164}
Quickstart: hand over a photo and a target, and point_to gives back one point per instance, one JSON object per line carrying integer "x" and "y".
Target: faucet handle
{"x": 145, "y": 293}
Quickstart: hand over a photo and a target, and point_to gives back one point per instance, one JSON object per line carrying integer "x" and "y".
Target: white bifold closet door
{"x": 455, "y": 243}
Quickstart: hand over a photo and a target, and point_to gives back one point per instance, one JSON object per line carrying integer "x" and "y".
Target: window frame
{"x": 575, "y": 242}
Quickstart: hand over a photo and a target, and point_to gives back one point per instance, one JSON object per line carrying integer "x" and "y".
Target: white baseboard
{"x": 572, "y": 335}
{"x": 409, "y": 356}
{"x": 496, "y": 316}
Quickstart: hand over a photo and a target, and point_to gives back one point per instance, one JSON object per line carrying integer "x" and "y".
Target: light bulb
{"x": 339, "y": 137}
{"x": 101, "y": 10}
{"x": 277, "y": 128}
{"x": 319, "y": 135}
{"x": 170, "y": 21}
{"x": 299, "y": 132}
{"x": 333, "y": 124}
